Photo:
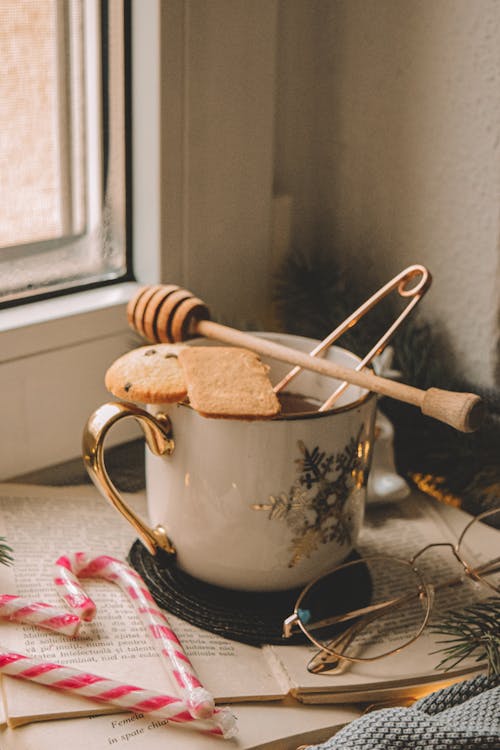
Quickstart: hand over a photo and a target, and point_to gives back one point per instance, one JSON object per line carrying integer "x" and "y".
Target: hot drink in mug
{"x": 253, "y": 505}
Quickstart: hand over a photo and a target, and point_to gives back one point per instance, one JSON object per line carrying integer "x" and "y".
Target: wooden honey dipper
{"x": 169, "y": 314}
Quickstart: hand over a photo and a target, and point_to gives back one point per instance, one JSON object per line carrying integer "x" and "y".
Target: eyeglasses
{"x": 375, "y": 606}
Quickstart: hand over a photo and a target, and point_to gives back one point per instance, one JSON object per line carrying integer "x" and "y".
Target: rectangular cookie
{"x": 228, "y": 382}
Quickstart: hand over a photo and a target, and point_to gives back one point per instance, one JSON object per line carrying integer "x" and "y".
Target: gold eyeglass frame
{"x": 425, "y": 590}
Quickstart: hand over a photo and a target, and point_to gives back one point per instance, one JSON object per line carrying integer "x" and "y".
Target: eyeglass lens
{"x": 365, "y": 609}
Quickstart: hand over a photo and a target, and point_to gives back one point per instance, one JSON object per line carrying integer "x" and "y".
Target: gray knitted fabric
{"x": 464, "y": 716}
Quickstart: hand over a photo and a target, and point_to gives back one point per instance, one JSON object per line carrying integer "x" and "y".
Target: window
{"x": 202, "y": 180}
{"x": 62, "y": 146}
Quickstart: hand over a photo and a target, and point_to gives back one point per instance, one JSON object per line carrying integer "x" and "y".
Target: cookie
{"x": 228, "y": 383}
{"x": 148, "y": 375}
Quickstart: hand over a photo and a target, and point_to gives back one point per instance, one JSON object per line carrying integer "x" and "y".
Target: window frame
{"x": 98, "y": 127}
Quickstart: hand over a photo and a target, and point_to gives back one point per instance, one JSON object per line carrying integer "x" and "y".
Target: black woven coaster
{"x": 249, "y": 617}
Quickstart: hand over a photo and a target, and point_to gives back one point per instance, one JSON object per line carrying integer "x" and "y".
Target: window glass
{"x": 62, "y": 145}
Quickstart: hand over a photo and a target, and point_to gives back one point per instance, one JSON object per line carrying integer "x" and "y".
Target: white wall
{"x": 216, "y": 99}
{"x": 388, "y": 138}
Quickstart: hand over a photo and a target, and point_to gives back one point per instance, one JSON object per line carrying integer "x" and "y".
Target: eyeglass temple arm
{"x": 373, "y": 611}
{"x": 323, "y": 660}
{"x": 493, "y": 566}
{"x": 377, "y": 610}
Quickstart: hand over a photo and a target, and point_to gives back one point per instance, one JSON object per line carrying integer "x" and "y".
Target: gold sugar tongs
{"x": 399, "y": 282}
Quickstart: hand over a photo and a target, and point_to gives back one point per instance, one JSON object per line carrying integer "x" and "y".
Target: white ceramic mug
{"x": 252, "y": 505}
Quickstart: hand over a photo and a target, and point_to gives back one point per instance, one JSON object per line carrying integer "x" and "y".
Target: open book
{"x": 43, "y": 523}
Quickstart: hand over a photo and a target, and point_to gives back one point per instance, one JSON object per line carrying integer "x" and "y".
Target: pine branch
{"x": 5, "y": 556}
{"x": 471, "y": 632}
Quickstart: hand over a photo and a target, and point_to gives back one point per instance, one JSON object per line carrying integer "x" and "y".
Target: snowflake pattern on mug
{"x": 313, "y": 508}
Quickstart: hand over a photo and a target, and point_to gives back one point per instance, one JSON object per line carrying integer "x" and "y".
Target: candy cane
{"x": 71, "y": 567}
{"x": 104, "y": 690}
{"x": 17, "y": 609}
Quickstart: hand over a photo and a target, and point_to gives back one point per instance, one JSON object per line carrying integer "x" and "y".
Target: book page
{"x": 260, "y": 727}
{"x": 43, "y": 523}
{"x": 400, "y": 531}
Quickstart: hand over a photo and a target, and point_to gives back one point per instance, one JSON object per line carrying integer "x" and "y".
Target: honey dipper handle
{"x": 463, "y": 411}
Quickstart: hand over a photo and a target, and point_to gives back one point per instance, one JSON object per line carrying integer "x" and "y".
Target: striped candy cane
{"x": 103, "y": 690}
{"x": 69, "y": 568}
{"x": 17, "y": 609}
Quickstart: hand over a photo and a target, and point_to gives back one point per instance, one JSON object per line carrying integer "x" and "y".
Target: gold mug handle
{"x": 158, "y": 433}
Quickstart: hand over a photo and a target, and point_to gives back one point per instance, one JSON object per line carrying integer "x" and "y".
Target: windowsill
{"x": 124, "y": 463}
{"x": 53, "y": 357}
{"x": 54, "y": 323}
